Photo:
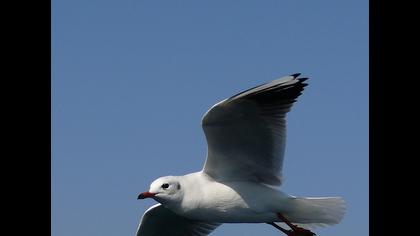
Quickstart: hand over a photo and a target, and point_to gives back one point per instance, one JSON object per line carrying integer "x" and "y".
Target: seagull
{"x": 246, "y": 136}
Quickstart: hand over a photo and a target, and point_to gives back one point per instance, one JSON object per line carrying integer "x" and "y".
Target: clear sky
{"x": 131, "y": 80}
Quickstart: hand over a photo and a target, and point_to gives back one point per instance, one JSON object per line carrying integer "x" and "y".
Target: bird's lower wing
{"x": 160, "y": 221}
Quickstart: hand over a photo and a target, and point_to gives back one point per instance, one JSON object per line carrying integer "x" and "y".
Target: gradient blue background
{"x": 131, "y": 80}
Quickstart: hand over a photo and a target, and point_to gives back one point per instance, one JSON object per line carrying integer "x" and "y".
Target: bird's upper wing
{"x": 160, "y": 221}
{"x": 246, "y": 133}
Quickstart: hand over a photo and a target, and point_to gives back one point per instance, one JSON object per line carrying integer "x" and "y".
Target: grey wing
{"x": 160, "y": 221}
{"x": 246, "y": 133}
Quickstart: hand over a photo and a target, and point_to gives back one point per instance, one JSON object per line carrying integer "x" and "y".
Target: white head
{"x": 165, "y": 190}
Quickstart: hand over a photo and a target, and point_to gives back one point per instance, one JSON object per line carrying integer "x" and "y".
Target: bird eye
{"x": 165, "y": 186}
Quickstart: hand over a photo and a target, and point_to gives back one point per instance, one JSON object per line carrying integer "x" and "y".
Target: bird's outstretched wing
{"x": 246, "y": 133}
{"x": 160, "y": 221}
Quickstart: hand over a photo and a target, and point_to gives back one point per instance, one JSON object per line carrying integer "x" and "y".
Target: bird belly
{"x": 232, "y": 215}
{"x": 237, "y": 203}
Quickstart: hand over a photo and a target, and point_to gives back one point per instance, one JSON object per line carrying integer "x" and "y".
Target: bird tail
{"x": 320, "y": 211}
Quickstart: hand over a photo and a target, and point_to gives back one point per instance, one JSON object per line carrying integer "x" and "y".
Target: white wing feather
{"x": 160, "y": 221}
{"x": 246, "y": 133}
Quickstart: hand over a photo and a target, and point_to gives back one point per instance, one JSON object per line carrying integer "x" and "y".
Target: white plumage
{"x": 246, "y": 136}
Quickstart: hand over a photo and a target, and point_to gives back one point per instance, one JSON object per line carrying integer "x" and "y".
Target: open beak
{"x": 146, "y": 195}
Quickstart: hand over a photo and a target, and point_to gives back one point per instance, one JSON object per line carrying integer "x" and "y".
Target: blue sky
{"x": 131, "y": 80}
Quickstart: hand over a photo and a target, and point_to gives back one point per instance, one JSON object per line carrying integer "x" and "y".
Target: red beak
{"x": 146, "y": 195}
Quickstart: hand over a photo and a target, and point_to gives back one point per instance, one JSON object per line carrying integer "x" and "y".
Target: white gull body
{"x": 246, "y": 136}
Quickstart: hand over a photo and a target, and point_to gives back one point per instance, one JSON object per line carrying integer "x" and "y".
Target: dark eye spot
{"x": 178, "y": 186}
{"x": 165, "y": 186}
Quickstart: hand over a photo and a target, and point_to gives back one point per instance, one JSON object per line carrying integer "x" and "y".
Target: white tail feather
{"x": 315, "y": 212}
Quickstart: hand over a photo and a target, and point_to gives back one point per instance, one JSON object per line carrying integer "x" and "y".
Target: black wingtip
{"x": 303, "y": 79}
{"x": 295, "y": 75}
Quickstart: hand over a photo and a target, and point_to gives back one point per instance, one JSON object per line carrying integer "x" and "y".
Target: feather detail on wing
{"x": 246, "y": 133}
{"x": 160, "y": 221}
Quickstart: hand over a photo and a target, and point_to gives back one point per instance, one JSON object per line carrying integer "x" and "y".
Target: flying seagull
{"x": 246, "y": 136}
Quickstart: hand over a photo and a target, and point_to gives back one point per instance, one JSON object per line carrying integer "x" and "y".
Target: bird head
{"x": 164, "y": 190}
